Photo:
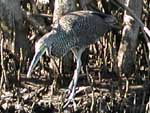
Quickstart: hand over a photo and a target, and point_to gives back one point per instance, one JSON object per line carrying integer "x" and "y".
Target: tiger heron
{"x": 74, "y": 31}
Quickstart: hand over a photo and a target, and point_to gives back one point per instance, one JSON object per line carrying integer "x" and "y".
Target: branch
{"x": 35, "y": 23}
{"x": 146, "y": 30}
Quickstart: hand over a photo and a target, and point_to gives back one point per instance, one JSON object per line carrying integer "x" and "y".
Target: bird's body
{"x": 76, "y": 30}
{"x": 73, "y": 31}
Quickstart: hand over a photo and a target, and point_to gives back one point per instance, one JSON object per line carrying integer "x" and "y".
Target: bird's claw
{"x": 69, "y": 100}
{"x": 71, "y": 93}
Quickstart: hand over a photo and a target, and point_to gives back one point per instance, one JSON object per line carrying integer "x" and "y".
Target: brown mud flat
{"x": 102, "y": 95}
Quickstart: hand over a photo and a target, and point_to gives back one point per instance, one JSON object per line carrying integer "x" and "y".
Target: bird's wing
{"x": 78, "y": 29}
{"x": 85, "y": 26}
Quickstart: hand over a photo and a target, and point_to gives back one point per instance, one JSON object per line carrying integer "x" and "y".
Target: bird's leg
{"x": 73, "y": 83}
{"x": 76, "y": 55}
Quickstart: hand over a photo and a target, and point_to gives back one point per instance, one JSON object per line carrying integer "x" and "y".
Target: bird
{"x": 74, "y": 31}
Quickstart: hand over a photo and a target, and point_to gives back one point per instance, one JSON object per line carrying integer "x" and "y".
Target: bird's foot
{"x": 72, "y": 89}
{"x": 71, "y": 99}
{"x": 74, "y": 104}
{"x": 71, "y": 92}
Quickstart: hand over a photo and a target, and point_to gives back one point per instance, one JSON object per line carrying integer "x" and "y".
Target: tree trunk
{"x": 126, "y": 53}
{"x": 63, "y": 7}
{"x": 11, "y": 15}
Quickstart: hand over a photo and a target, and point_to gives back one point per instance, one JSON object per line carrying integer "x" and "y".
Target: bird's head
{"x": 42, "y": 46}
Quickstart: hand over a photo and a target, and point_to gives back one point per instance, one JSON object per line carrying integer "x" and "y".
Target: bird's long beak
{"x": 35, "y": 60}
